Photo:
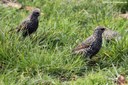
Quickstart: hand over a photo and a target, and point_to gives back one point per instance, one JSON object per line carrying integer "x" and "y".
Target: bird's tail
{"x": 14, "y": 30}
{"x": 76, "y": 51}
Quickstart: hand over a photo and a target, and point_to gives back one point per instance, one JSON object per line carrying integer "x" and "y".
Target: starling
{"x": 92, "y": 44}
{"x": 29, "y": 25}
{"x": 110, "y": 35}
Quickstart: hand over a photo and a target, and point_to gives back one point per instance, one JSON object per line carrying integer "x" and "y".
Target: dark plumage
{"x": 29, "y": 25}
{"x": 92, "y": 44}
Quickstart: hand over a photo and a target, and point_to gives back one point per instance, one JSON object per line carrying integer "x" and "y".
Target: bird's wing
{"x": 84, "y": 44}
{"x": 23, "y": 25}
{"x": 89, "y": 40}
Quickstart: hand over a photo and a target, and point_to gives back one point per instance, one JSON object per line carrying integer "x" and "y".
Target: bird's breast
{"x": 33, "y": 25}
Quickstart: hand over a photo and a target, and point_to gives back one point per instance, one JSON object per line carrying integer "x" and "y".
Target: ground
{"x": 45, "y": 57}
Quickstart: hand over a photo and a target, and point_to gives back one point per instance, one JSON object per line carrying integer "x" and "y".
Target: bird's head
{"x": 36, "y": 12}
{"x": 99, "y": 30}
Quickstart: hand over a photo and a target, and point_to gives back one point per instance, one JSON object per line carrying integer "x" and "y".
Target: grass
{"x": 46, "y": 58}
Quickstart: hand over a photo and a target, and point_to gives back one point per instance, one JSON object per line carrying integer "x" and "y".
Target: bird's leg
{"x": 88, "y": 58}
{"x": 95, "y": 58}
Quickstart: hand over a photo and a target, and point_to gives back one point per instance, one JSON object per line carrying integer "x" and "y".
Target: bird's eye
{"x": 102, "y": 28}
{"x": 37, "y": 13}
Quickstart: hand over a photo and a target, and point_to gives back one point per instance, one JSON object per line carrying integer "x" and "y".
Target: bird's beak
{"x": 42, "y": 14}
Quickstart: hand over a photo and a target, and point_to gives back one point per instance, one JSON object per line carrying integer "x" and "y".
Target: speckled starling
{"x": 29, "y": 25}
{"x": 92, "y": 44}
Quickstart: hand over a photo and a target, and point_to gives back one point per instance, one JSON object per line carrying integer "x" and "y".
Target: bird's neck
{"x": 33, "y": 18}
{"x": 97, "y": 35}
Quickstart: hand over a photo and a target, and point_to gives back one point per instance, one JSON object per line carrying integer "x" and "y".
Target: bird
{"x": 30, "y": 24}
{"x": 109, "y": 35}
{"x": 92, "y": 44}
